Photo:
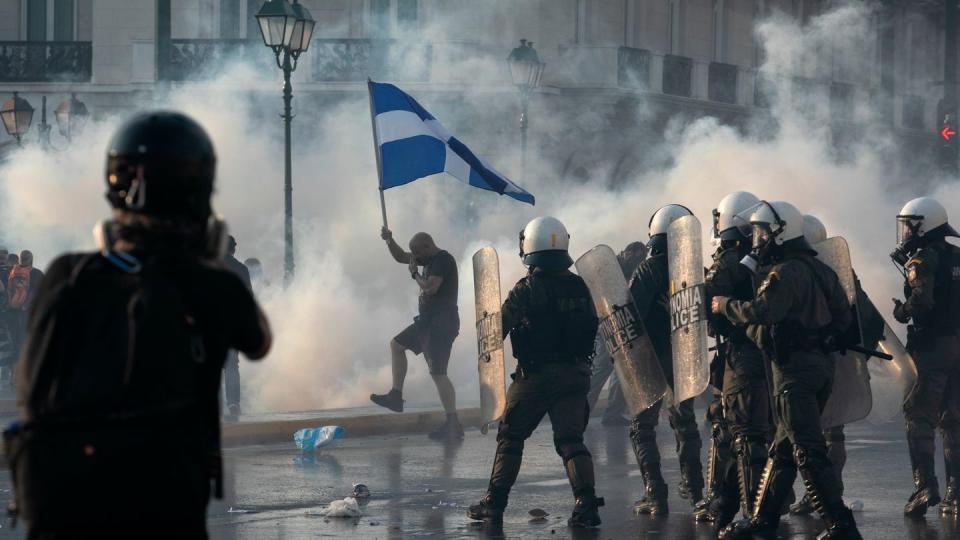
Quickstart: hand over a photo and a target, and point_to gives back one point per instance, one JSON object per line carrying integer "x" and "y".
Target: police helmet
{"x": 544, "y": 243}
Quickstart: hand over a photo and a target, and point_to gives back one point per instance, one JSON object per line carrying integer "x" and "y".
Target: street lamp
{"x": 16, "y": 114}
{"x": 525, "y": 71}
{"x": 71, "y": 116}
{"x": 286, "y": 28}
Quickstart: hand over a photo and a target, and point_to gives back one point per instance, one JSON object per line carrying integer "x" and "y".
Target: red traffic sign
{"x": 947, "y": 133}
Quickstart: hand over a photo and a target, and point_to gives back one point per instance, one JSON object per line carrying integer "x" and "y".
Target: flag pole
{"x": 376, "y": 152}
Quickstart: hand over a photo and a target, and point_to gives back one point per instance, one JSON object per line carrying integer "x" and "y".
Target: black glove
{"x": 900, "y": 312}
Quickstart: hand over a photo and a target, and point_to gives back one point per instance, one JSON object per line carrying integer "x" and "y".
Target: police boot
{"x": 654, "y": 500}
{"x": 775, "y": 482}
{"x": 823, "y": 490}
{"x": 490, "y": 507}
{"x": 691, "y": 471}
{"x": 926, "y": 494}
{"x": 949, "y": 506}
{"x": 751, "y": 459}
{"x": 585, "y": 511}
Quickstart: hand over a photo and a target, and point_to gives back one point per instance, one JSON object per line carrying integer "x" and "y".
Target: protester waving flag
{"x": 411, "y": 144}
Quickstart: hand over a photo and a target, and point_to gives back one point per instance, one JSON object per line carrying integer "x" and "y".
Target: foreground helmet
{"x": 813, "y": 229}
{"x": 544, "y": 243}
{"x": 659, "y": 223}
{"x": 162, "y": 164}
{"x": 777, "y": 225}
{"x": 921, "y": 218}
{"x": 727, "y": 222}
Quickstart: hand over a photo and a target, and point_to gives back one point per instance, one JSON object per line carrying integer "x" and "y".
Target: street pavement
{"x": 420, "y": 488}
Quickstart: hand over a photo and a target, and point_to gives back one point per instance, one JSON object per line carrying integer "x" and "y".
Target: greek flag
{"x": 412, "y": 144}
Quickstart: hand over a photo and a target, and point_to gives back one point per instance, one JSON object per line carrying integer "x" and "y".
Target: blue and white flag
{"x": 412, "y": 144}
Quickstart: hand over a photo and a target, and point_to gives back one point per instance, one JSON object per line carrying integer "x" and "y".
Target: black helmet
{"x": 161, "y": 163}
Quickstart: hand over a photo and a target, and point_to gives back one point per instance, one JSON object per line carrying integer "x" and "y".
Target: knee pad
{"x": 509, "y": 445}
{"x": 807, "y": 459}
{"x": 570, "y": 448}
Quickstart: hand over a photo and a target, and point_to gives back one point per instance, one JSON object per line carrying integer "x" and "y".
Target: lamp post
{"x": 525, "y": 71}
{"x": 16, "y": 114}
{"x": 286, "y": 28}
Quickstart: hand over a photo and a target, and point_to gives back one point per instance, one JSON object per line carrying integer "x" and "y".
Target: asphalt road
{"x": 421, "y": 488}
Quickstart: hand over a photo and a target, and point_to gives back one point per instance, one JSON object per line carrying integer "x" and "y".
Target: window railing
{"x": 677, "y": 75}
{"x": 345, "y": 60}
{"x": 722, "y": 82}
{"x": 45, "y": 61}
{"x": 198, "y": 59}
{"x": 633, "y": 67}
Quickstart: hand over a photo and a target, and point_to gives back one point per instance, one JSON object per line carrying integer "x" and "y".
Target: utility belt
{"x": 788, "y": 339}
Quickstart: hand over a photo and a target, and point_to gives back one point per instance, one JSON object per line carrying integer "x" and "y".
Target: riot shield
{"x": 486, "y": 288}
{"x": 688, "y": 311}
{"x": 891, "y": 380}
{"x": 850, "y": 398}
{"x": 624, "y": 334}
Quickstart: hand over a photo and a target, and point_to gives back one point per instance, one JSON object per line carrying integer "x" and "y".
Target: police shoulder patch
{"x": 772, "y": 277}
{"x": 912, "y": 274}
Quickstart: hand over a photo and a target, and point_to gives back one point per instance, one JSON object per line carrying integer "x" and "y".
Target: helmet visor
{"x": 908, "y": 228}
{"x": 762, "y": 235}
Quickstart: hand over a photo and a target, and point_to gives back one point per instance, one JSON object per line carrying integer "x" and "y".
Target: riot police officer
{"x": 552, "y": 324}
{"x": 797, "y": 319}
{"x": 745, "y": 414}
{"x": 121, "y": 370}
{"x": 932, "y": 307}
{"x": 871, "y": 326}
{"x": 649, "y": 288}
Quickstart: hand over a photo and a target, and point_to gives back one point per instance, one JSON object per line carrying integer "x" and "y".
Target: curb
{"x": 267, "y": 432}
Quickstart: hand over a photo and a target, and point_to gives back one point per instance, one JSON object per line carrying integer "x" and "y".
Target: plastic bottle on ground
{"x": 310, "y": 438}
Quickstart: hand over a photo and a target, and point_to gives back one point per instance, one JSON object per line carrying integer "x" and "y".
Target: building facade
{"x": 691, "y": 57}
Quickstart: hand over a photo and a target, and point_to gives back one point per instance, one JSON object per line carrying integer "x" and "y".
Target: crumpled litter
{"x": 361, "y": 491}
{"x": 451, "y": 504}
{"x": 346, "y": 508}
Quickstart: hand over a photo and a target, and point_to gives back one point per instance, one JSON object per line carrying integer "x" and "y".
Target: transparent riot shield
{"x": 624, "y": 335}
{"x": 688, "y": 311}
{"x": 851, "y": 398}
{"x": 486, "y": 288}
{"x": 891, "y": 380}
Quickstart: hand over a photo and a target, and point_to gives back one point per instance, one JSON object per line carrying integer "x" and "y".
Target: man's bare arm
{"x": 429, "y": 285}
{"x": 396, "y": 251}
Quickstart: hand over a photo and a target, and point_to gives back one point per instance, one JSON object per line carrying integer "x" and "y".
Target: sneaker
{"x": 449, "y": 430}
{"x": 391, "y": 400}
{"x": 232, "y": 413}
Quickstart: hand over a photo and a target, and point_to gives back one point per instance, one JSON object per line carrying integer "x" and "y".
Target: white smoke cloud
{"x": 333, "y": 325}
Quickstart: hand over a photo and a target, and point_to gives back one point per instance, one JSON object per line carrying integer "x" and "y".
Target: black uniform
{"x": 118, "y": 392}
{"x": 799, "y": 312}
{"x": 745, "y": 398}
{"x": 932, "y": 292}
{"x": 231, "y": 369}
{"x": 649, "y": 287}
{"x": 552, "y": 326}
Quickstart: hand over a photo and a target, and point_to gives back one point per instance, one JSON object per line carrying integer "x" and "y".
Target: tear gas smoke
{"x": 333, "y": 325}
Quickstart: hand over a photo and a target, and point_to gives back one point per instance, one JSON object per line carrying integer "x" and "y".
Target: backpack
{"x": 105, "y": 394}
{"x": 18, "y": 287}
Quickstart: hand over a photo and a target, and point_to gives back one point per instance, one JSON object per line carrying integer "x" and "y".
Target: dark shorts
{"x": 433, "y": 339}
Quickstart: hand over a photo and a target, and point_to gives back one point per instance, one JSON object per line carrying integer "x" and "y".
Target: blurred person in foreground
{"x": 121, "y": 370}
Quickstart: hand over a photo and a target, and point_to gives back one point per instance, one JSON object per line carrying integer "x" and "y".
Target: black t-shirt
{"x": 445, "y": 266}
